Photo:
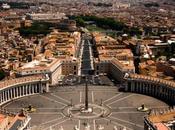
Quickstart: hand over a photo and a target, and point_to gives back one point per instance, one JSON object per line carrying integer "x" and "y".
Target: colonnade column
{"x": 23, "y": 90}
{"x": 47, "y": 87}
{"x": 17, "y": 91}
{"x": 8, "y": 94}
{"x": 40, "y": 88}
{"x": 126, "y": 85}
{"x": 132, "y": 84}
{"x": 14, "y": 92}
{"x": 32, "y": 88}
{"x": 35, "y": 88}
{"x": 140, "y": 88}
{"x": 1, "y": 98}
{"x": 5, "y": 94}
{"x": 26, "y": 87}
{"x": 137, "y": 86}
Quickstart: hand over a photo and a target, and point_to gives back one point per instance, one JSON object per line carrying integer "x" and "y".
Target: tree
{"x": 2, "y": 74}
{"x": 80, "y": 22}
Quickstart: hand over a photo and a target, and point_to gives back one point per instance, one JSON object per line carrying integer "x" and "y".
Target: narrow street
{"x": 86, "y": 57}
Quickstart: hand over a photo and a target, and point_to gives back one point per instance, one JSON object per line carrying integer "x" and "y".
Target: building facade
{"x": 159, "y": 88}
{"x": 12, "y": 121}
{"x": 160, "y": 120}
{"x": 20, "y": 87}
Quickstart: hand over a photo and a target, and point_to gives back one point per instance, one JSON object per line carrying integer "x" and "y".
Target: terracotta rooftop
{"x": 161, "y": 126}
{"x": 162, "y": 118}
{"x": 120, "y": 65}
{"x": 2, "y": 117}
{"x": 42, "y": 67}
{"x": 11, "y": 118}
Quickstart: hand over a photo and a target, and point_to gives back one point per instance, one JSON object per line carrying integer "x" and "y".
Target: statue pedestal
{"x": 87, "y": 127}
{"x": 79, "y": 111}
{"x": 142, "y": 108}
{"x": 89, "y": 110}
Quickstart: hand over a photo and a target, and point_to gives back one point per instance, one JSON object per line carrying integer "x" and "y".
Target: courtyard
{"x": 112, "y": 110}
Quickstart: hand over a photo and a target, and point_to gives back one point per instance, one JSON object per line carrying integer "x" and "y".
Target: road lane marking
{"x": 42, "y": 113}
{"x": 121, "y": 99}
{"x": 128, "y": 112}
{"x": 50, "y": 121}
{"x": 92, "y": 97}
{"x": 80, "y": 96}
{"x": 94, "y": 124}
{"x": 138, "y": 106}
{"x": 117, "y": 124}
{"x": 79, "y": 124}
{"x": 20, "y": 108}
{"x": 127, "y": 122}
{"x": 60, "y": 98}
{"x": 50, "y": 99}
{"x": 57, "y": 124}
{"x": 112, "y": 97}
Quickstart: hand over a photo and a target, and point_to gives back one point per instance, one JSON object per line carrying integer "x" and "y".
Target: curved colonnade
{"x": 155, "y": 87}
{"x": 26, "y": 86}
{"x": 20, "y": 87}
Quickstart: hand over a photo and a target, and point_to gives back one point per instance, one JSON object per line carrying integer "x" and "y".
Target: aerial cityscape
{"x": 87, "y": 64}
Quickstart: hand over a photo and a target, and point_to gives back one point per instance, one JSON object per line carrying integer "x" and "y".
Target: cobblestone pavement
{"x": 54, "y": 109}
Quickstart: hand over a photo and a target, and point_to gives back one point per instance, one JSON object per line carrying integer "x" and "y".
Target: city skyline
{"x": 87, "y": 65}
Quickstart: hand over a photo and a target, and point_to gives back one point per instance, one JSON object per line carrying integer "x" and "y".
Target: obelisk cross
{"x": 86, "y": 95}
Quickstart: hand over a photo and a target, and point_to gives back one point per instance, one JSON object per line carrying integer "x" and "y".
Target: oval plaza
{"x": 30, "y": 85}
